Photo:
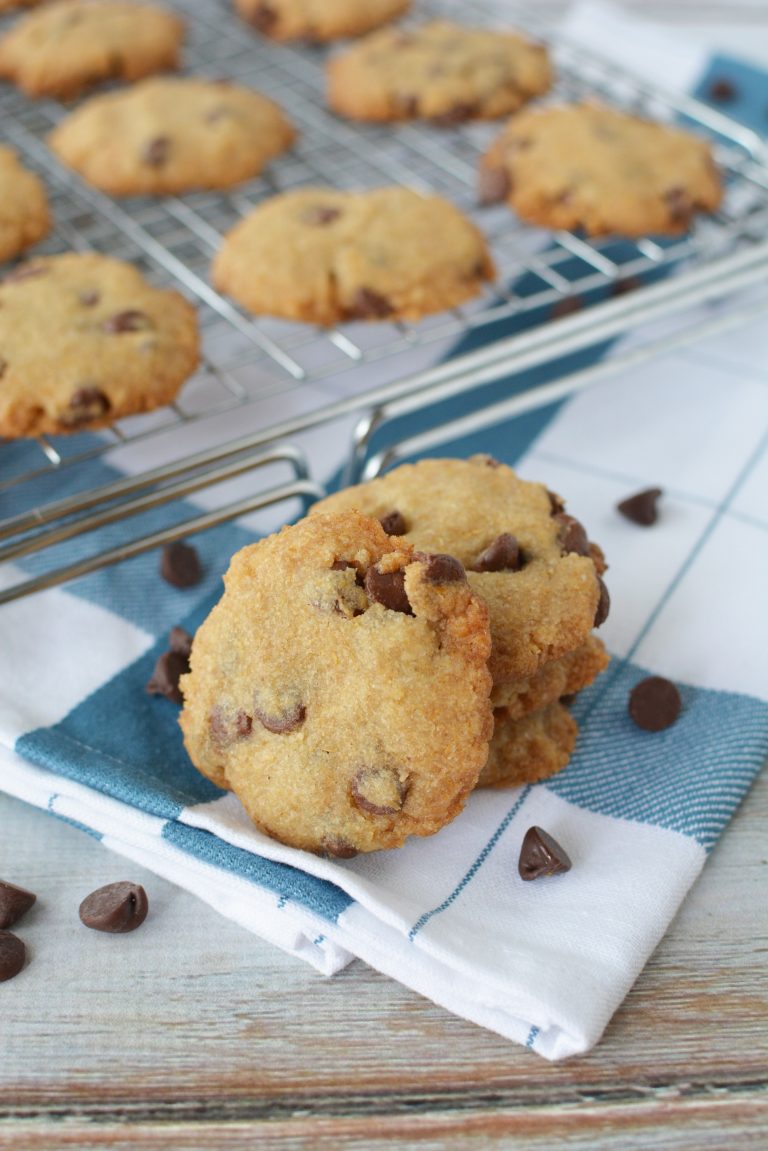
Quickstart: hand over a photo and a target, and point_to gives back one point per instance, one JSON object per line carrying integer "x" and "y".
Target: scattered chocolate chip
{"x": 12, "y": 955}
{"x": 25, "y": 272}
{"x": 628, "y": 284}
{"x": 455, "y": 115}
{"x": 180, "y": 565}
{"x": 603, "y": 604}
{"x": 180, "y": 642}
{"x": 556, "y": 504}
{"x": 320, "y": 215}
{"x": 14, "y": 902}
{"x": 566, "y": 307}
{"x": 722, "y": 90}
{"x": 337, "y": 848}
{"x": 378, "y": 790}
{"x": 89, "y": 299}
{"x": 130, "y": 321}
{"x": 493, "y": 186}
{"x": 116, "y": 908}
{"x": 169, "y": 669}
{"x": 394, "y": 523}
{"x": 572, "y": 536}
{"x": 369, "y": 305}
{"x": 654, "y": 703}
{"x": 504, "y": 554}
{"x": 679, "y": 204}
{"x": 388, "y": 589}
{"x": 262, "y": 17}
{"x": 87, "y": 404}
{"x": 443, "y": 569}
{"x": 641, "y": 508}
{"x": 569, "y": 700}
{"x": 282, "y": 723}
{"x": 540, "y": 855}
{"x": 155, "y": 153}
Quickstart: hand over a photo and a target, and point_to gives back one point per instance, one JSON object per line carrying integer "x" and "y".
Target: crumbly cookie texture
{"x": 84, "y": 340}
{"x": 24, "y": 217}
{"x": 590, "y": 167}
{"x": 565, "y": 676}
{"x": 530, "y": 561}
{"x": 441, "y": 71}
{"x": 325, "y": 256}
{"x": 340, "y": 687}
{"x": 68, "y": 46}
{"x": 318, "y": 20}
{"x": 529, "y": 749}
{"x": 172, "y": 135}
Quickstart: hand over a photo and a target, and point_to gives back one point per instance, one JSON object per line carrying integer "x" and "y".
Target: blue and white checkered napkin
{"x": 543, "y": 963}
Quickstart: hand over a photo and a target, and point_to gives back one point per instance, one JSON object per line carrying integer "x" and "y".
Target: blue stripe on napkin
{"x": 689, "y": 778}
{"x": 317, "y": 895}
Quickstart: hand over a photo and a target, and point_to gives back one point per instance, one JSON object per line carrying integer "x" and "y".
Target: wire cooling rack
{"x": 303, "y": 375}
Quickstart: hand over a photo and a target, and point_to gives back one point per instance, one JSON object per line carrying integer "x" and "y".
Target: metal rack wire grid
{"x": 247, "y": 359}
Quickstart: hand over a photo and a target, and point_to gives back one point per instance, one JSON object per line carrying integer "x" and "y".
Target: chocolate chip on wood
{"x": 116, "y": 908}
{"x": 14, "y": 902}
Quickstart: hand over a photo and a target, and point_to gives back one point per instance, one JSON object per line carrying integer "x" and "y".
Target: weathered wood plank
{"x": 734, "y": 1120}
{"x": 192, "y": 1008}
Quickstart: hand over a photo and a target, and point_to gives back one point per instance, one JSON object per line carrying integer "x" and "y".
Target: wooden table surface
{"x": 191, "y": 1033}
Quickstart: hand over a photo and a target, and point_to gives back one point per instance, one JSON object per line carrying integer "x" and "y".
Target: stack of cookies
{"x": 409, "y": 640}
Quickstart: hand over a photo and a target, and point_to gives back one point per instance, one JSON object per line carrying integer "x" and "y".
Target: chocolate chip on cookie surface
{"x": 171, "y": 135}
{"x": 325, "y": 256}
{"x": 84, "y": 340}
{"x": 70, "y": 45}
{"x": 441, "y": 71}
{"x": 24, "y": 217}
{"x": 340, "y": 687}
{"x": 544, "y": 599}
{"x": 318, "y": 20}
{"x": 591, "y": 167}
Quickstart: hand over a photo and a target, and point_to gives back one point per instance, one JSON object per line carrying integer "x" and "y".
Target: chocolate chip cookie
{"x": 590, "y": 167}
{"x": 529, "y": 749}
{"x": 529, "y": 560}
{"x": 325, "y": 256}
{"x": 340, "y": 687}
{"x": 318, "y": 20}
{"x": 70, "y": 45}
{"x": 172, "y": 135}
{"x": 85, "y": 340}
{"x": 441, "y": 71}
{"x": 24, "y": 215}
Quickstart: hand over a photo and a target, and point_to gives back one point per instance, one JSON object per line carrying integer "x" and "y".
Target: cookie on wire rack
{"x": 442, "y": 72}
{"x": 84, "y": 340}
{"x": 65, "y": 47}
{"x": 171, "y": 134}
{"x": 324, "y": 256}
{"x": 318, "y": 20}
{"x": 587, "y": 166}
{"x": 24, "y": 216}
